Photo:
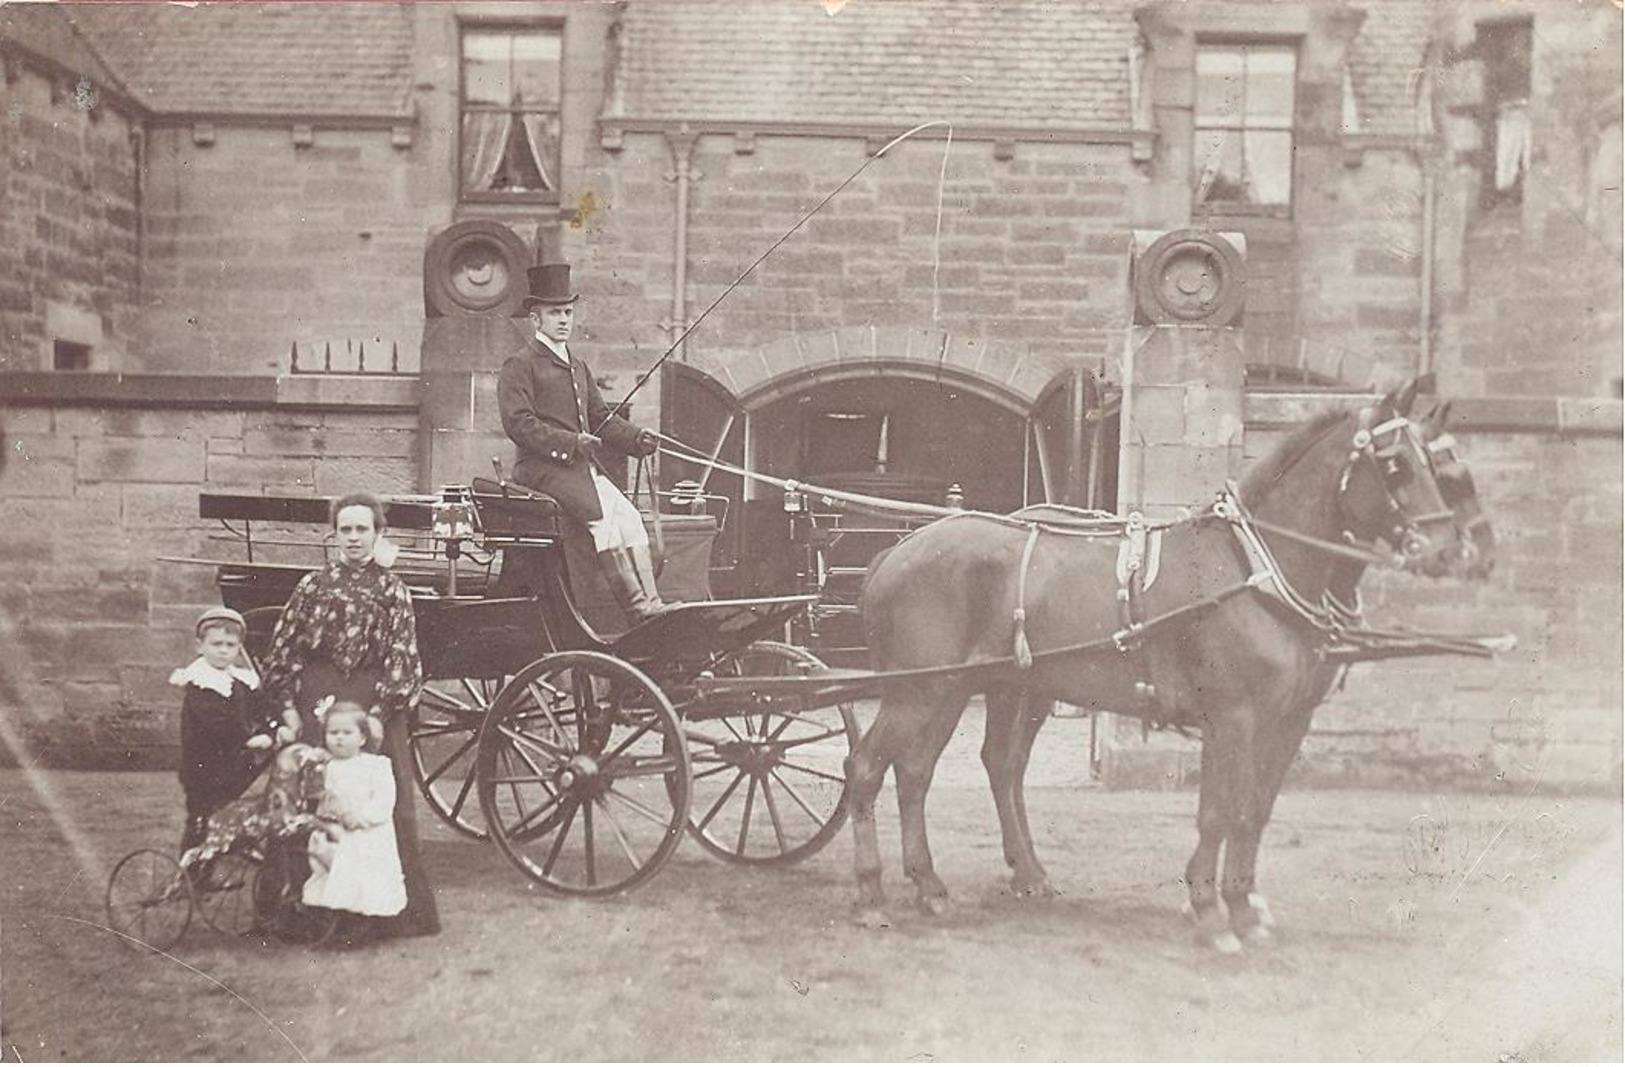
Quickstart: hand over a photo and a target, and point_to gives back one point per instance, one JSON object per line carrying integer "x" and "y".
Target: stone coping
{"x": 1564, "y": 415}
{"x": 208, "y": 392}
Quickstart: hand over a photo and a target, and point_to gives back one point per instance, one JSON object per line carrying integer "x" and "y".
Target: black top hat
{"x": 549, "y": 284}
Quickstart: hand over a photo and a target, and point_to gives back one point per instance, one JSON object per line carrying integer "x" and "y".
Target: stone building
{"x": 262, "y": 248}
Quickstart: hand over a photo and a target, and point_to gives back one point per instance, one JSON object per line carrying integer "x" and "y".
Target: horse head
{"x": 1390, "y": 492}
{"x": 1456, "y": 485}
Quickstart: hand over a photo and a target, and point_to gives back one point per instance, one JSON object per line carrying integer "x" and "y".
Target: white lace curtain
{"x": 1512, "y": 144}
{"x": 487, "y": 136}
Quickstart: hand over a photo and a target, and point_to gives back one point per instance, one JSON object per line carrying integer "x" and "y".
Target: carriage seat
{"x": 508, "y": 510}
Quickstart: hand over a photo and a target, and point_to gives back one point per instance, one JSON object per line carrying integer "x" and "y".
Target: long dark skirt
{"x": 320, "y": 679}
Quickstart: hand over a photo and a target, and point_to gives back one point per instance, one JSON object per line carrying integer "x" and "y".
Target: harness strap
{"x": 1023, "y": 650}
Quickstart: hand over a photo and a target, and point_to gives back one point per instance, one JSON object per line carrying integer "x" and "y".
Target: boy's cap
{"x": 219, "y": 615}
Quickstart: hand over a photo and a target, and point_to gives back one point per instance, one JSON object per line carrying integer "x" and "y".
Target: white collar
{"x": 555, "y": 347}
{"x": 214, "y": 679}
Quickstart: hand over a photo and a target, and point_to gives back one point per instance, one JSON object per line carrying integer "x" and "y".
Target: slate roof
{"x": 1025, "y": 64}
{"x": 46, "y": 31}
{"x": 1022, "y": 63}
{"x": 305, "y": 58}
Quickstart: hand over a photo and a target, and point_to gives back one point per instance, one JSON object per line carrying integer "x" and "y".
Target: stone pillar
{"x": 459, "y": 426}
{"x": 1183, "y": 373}
{"x": 473, "y": 288}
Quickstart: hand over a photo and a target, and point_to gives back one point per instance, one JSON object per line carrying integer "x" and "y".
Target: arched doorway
{"x": 902, "y": 429}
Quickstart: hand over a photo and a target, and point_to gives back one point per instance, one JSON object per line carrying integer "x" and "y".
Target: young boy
{"x": 225, "y": 729}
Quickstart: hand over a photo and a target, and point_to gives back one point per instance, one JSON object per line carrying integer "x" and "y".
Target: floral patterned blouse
{"x": 356, "y": 616}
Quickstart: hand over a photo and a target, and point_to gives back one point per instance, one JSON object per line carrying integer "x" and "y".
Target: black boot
{"x": 622, "y": 571}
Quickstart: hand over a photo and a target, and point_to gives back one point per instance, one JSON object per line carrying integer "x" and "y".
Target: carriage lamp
{"x": 955, "y": 498}
{"x": 795, "y": 501}
{"x": 688, "y": 496}
{"x": 453, "y": 514}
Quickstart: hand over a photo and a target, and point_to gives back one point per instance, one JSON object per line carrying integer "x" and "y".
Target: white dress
{"x": 365, "y": 875}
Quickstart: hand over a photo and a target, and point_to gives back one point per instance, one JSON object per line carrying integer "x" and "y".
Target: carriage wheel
{"x": 260, "y": 625}
{"x": 149, "y": 900}
{"x": 583, "y": 776}
{"x": 224, "y": 890}
{"x": 445, "y": 737}
{"x": 770, "y": 786}
{"x": 279, "y": 892}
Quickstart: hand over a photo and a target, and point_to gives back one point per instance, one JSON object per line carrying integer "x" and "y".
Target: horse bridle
{"x": 1382, "y": 446}
{"x": 1451, "y": 471}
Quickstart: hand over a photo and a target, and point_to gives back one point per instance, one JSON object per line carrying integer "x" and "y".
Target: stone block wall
{"x": 69, "y": 243}
{"x": 255, "y": 244}
{"x": 1032, "y": 255}
{"x": 92, "y": 620}
{"x": 1531, "y": 287}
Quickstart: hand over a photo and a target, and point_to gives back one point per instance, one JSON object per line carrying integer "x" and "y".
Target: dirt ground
{"x": 1461, "y": 927}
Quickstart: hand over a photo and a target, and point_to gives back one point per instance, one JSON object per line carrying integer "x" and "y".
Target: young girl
{"x": 354, "y": 865}
{"x": 224, "y": 728}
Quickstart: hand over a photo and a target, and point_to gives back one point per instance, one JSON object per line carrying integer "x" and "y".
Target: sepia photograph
{"x": 812, "y": 530}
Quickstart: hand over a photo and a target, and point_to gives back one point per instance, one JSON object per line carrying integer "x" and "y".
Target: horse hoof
{"x": 1256, "y": 935}
{"x": 1261, "y": 908}
{"x": 1225, "y": 944}
{"x": 871, "y": 918}
{"x": 934, "y": 906}
{"x": 1036, "y": 890}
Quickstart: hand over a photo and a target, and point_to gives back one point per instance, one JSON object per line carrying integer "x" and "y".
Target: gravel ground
{"x": 1449, "y": 927}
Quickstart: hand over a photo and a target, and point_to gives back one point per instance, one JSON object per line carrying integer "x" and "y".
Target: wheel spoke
{"x": 744, "y": 818}
{"x": 527, "y": 818}
{"x": 445, "y": 765}
{"x": 639, "y": 807}
{"x": 545, "y": 706}
{"x": 627, "y": 850}
{"x": 560, "y": 753}
{"x": 773, "y": 813}
{"x": 721, "y": 801}
{"x": 795, "y": 794}
{"x": 813, "y": 772}
{"x": 571, "y": 808}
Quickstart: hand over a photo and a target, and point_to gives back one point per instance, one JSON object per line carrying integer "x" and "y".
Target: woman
{"x": 348, "y": 633}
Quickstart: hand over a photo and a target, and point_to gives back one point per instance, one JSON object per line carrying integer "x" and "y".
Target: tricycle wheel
{"x": 149, "y": 900}
{"x": 223, "y": 887}
{"x": 445, "y": 737}
{"x": 583, "y": 774}
{"x": 770, "y": 784}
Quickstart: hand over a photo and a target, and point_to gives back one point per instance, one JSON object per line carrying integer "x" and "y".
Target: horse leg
{"x": 914, "y": 768}
{"x": 865, "y": 772}
{"x": 1013, "y": 722}
{"x": 1227, "y": 770}
{"x": 1250, "y": 916}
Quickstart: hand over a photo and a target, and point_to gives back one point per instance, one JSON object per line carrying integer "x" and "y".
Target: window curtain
{"x": 485, "y": 136}
{"x": 1512, "y": 144}
{"x": 1267, "y": 162}
{"x": 543, "y": 141}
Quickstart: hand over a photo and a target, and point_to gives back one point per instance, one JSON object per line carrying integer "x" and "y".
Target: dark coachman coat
{"x": 544, "y": 404}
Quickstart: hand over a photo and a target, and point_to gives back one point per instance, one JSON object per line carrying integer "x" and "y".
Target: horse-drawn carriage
{"x": 586, "y": 757}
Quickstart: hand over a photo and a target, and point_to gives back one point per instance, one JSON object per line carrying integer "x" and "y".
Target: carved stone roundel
{"x": 1190, "y": 277}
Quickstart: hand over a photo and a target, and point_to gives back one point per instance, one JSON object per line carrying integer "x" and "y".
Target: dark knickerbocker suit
{"x": 544, "y": 404}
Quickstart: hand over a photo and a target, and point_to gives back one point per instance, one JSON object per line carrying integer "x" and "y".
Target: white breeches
{"x": 621, "y": 526}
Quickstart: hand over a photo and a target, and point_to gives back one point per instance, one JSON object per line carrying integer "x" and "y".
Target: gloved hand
{"x": 588, "y": 442}
{"x": 647, "y": 443}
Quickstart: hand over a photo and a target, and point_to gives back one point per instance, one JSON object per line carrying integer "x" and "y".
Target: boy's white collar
{"x": 214, "y": 679}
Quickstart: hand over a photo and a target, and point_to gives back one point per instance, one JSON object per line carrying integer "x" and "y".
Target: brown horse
{"x": 1012, "y": 721}
{"x": 1229, "y": 639}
